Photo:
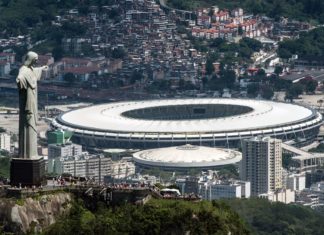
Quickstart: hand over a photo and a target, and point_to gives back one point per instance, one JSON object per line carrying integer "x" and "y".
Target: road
{"x": 297, "y": 76}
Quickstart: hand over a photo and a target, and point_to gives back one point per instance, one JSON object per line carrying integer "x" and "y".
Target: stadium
{"x": 186, "y": 157}
{"x": 173, "y": 122}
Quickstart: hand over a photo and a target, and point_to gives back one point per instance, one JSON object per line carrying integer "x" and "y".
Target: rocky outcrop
{"x": 20, "y": 216}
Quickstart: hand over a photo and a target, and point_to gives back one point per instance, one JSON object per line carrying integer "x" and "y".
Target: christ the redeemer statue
{"x": 27, "y": 85}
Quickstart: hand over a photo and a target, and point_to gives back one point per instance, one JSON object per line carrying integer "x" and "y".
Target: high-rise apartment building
{"x": 262, "y": 164}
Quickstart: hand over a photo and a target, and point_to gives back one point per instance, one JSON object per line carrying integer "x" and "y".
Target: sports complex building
{"x": 173, "y": 122}
{"x": 186, "y": 157}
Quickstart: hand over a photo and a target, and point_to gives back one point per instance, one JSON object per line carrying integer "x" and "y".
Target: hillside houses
{"x": 215, "y": 23}
{"x": 6, "y": 62}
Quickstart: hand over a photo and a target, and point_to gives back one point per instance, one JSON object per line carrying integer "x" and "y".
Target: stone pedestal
{"x": 27, "y": 172}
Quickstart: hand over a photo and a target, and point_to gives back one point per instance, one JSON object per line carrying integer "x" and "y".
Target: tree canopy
{"x": 267, "y": 218}
{"x": 155, "y": 217}
{"x": 309, "y": 45}
{"x": 235, "y": 216}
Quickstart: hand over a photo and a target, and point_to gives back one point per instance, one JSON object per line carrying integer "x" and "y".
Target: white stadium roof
{"x": 109, "y": 118}
{"x": 187, "y": 156}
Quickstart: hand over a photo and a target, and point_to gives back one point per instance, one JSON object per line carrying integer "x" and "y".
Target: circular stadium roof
{"x": 116, "y": 117}
{"x": 187, "y": 156}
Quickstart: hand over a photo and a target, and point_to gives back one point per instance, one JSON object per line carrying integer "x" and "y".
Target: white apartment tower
{"x": 262, "y": 164}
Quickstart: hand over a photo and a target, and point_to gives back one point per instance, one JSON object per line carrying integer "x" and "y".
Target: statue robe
{"x": 27, "y": 85}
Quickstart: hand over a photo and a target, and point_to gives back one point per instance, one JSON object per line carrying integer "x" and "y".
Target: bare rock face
{"x": 33, "y": 213}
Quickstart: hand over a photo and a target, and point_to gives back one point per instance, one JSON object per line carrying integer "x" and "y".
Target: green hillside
{"x": 309, "y": 45}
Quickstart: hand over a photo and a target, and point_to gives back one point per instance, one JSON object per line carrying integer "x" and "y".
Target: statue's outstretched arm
{"x": 39, "y": 71}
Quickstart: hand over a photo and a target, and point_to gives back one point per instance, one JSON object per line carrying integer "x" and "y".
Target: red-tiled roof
{"x": 3, "y": 62}
{"x": 81, "y": 70}
{"x": 75, "y": 60}
{"x": 222, "y": 13}
{"x": 6, "y": 54}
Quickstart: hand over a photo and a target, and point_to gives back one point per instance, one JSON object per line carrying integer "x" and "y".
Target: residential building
{"x": 281, "y": 195}
{"x": 307, "y": 198}
{"x": 296, "y": 182}
{"x": 230, "y": 189}
{"x": 49, "y": 61}
{"x": 9, "y": 57}
{"x": 95, "y": 167}
{"x": 64, "y": 150}
{"x": 314, "y": 177}
{"x": 312, "y": 197}
{"x": 4, "y": 68}
{"x": 122, "y": 169}
{"x": 262, "y": 164}
{"x": 181, "y": 183}
{"x": 5, "y": 142}
{"x": 191, "y": 185}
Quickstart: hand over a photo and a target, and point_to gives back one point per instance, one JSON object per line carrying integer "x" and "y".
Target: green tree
{"x": 240, "y": 30}
{"x": 137, "y": 75}
{"x": 209, "y": 67}
{"x": 267, "y": 92}
{"x": 287, "y": 160}
{"x": 70, "y": 78}
{"x": 57, "y": 53}
{"x": 309, "y": 84}
{"x": 294, "y": 91}
{"x": 251, "y": 43}
{"x": 253, "y": 90}
{"x": 278, "y": 70}
{"x": 217, "y": 42}
{"x": 4, "y": 165}
{"x": 229, "y": 77}
{"x": 118, "y": 53}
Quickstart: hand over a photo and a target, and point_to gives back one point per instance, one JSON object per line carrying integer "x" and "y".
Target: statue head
{"x": 31, "y": 59}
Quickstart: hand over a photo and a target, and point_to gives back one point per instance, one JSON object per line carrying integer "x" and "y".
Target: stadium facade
{"x": 173, "y": 122}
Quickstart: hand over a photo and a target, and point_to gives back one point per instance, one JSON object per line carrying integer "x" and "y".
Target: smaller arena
{"x": 186, "y": 157}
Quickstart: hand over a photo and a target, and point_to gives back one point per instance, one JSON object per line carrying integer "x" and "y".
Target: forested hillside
{"x": 309, "y": 45}
{"x": 17, "y": 15}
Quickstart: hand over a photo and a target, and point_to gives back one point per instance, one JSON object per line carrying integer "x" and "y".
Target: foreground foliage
{"x": 4, "y": 166}
{"x": 238, "y": 216}
{"x": 267, "y": 218}
{"x": 156, "y": 217}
